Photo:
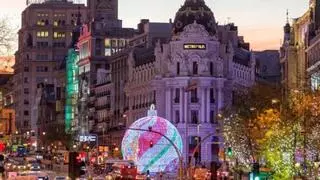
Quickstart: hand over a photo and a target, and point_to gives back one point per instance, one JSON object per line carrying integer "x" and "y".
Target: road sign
{"x": 88, "y": 138}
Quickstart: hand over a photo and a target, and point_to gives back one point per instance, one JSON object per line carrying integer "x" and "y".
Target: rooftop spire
{"x": 287, "y": 16}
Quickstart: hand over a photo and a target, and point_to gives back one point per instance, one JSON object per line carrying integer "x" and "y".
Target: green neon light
{"x": 72, "y": 88}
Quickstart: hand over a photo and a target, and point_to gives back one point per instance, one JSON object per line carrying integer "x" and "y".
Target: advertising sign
{"x": 194, "y": 46}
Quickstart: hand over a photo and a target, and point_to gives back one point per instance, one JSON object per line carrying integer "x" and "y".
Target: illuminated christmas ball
{"x": 152, "y": 151}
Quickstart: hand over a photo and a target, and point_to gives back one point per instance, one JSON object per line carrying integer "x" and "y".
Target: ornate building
{"x": 295, "y": 51}
{"x": 313, "y": 49}
{"x": 192, "y": 77}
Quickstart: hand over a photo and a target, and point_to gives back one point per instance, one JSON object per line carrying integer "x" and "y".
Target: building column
{"x": 219, "y": 95}
{"x": 203, "y": 105}
{"x": 208, "y": 105}
{"x": 181, "y": 103}
{"x": 168, "y": 103}
{"x": 186, "y": 104}
{"x": 186, "y": 123}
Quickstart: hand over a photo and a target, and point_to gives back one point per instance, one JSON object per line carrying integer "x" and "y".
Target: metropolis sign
{"x": 194, "y": 46}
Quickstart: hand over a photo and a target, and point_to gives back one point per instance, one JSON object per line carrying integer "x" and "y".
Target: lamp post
{"x": 316, "y": 166}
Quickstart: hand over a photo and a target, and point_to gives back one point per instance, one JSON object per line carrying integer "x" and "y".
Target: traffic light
{"x": 255, "y": 175}
{"x": 256, "y": 168}
{"x": 74, "y": 165}
{"x": 151, "y": 144}
{"x": 229, "y": 151}
{"x": 82, "y": 168}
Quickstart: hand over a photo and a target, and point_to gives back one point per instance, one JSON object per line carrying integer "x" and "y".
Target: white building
{"x": 192, "y": 77}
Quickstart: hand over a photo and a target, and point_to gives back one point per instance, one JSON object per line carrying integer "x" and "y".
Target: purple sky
{"x": 259, "y": 21}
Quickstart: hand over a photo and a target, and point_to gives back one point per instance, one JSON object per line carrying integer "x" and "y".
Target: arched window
{"x": 195, "y": 68}
{"x": 211, "y": 68}
{"x": 178, "y": 68}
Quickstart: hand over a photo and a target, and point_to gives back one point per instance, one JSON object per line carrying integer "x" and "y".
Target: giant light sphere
{"x": 161, "y": 156}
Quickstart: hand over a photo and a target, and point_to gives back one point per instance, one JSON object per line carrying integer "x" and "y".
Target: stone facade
{"x": 190, "y": 79}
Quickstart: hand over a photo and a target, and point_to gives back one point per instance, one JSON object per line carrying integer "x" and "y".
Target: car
{"x": 61, "y": 178}
{"x": 35, "y": 167}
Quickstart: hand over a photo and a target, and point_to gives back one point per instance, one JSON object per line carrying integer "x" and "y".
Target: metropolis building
{"x": 192, "y": 77}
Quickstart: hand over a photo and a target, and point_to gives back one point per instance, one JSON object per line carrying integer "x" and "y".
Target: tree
{"x": 245, "y": 124}
{"x": 7, "y": 37}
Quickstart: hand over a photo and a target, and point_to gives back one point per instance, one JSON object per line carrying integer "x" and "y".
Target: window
{"x": 84, "y": 50}
{"x": 195, "y": 68}
{"x": 25, "y": 123}
{"x": 26, "y": 102}
{"x": 59, "y": 35}
{"x": 58, "y": 93}
{"x": 212, "y": 118}
{"x": 42, "y": 57}
{"x": 177, "y": 118}
{"x": 98, "y": 47}
{"x": 212, "y": 100}
{"x": 41, "y": 22}
{"x": 26, "y": 69}
{"x": 40, "y": 79}
{"x": 26, "y": 80}
{"x": 26, "y": 113}
{"x": 26, "y": 91}
{"x": 42, "y": 69}
{"x": 42, "y": 44}
{"x": 42, "y": 34}
{"x": 107, "y": 47}
{"x": 194, "y": 117}
{"x": 178, "y": 68}
{"x": 177, "y": 95}
{"x": 211, "y": 68}
{"x": 59, "y": 44}
{"x": 194, "y": 96}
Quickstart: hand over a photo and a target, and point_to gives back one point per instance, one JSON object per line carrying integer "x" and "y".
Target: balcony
{"x": 106, "y": 106}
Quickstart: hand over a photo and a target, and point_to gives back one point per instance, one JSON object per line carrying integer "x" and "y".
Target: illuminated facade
{"x": 298, "y": 53}
{"x": 191, "y": 78}
{"x": 72, "y": 89}
{"x": 313, "y": 49}
{"x": 150, "y": 151}
{"x": 7, "y": 113}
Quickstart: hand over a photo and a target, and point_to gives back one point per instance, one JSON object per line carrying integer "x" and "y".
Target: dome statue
{"x": 194, "y": 10}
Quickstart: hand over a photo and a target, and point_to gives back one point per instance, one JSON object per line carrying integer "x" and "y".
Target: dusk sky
{"x": 259, "y": 21}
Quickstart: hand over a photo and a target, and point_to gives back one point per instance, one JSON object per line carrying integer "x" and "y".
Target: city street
{"x": 160, "y": 90}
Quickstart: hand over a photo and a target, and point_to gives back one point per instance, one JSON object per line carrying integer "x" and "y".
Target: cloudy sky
{"x": 259, "y": 21}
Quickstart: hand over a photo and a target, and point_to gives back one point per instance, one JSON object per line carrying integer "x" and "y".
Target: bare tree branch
{"x": 8, "y": 37}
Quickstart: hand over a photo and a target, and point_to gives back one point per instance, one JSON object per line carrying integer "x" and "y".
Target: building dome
{"x": 194, "y": 10}
{"x": 161, "y": 156}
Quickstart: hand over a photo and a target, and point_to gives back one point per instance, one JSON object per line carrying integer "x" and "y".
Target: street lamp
{"x": 44, "y": 133}
{"x": 316, "y": 166}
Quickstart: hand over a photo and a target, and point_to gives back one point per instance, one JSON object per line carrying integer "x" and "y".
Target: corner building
{"x": 191, "y": 78}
